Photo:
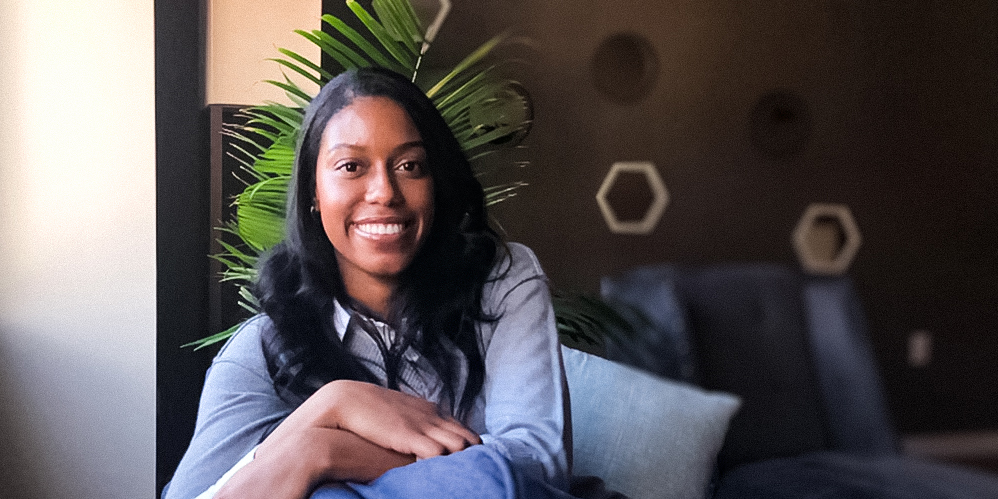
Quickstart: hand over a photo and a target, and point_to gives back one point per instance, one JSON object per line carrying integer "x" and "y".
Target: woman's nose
{"x": 382, "y": 187}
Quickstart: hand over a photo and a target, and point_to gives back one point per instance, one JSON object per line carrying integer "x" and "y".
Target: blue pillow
{"x": 645, "y": 436}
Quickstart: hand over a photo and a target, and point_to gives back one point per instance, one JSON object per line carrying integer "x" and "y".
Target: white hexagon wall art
{"x": 440, "y": 8}
{"x": 660, "y": 198}
{"x": 826, "y": 239}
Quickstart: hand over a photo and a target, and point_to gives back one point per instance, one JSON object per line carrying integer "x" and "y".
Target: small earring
{"x": 314, "y": 210}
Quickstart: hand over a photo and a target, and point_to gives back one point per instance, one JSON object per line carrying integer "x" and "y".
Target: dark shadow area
{"x": 182, "y": 226}
{"x": 19, "y": 476}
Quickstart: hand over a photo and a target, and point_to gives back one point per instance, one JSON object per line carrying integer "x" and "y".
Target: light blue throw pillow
{"x": 645, "y": 436}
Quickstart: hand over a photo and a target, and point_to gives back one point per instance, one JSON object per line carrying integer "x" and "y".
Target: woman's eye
{"x": 348, "y": 167}
{"x": 413, "y": 167}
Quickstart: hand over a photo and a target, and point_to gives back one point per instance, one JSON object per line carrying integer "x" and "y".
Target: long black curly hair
{"x": 438, "y": 299}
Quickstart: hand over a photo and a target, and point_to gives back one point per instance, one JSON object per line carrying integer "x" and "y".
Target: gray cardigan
{"x": 521, "y": 410}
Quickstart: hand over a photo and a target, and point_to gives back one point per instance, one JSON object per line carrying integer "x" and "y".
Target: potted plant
{"x": 482, "y": 108}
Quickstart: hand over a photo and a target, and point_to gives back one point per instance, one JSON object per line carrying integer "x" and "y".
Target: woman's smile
{"x": 381, "y": 226}
{"x": 375, "y": 230}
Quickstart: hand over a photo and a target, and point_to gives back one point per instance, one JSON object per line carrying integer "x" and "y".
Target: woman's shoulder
{"x": 245, "y": 346}
{"x": 516, "y": 262}
{"x": 516, "y": 265}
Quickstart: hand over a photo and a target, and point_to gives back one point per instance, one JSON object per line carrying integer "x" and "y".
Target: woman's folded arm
{"x": 293, "y": 465}
{"x": 321, "y": 442}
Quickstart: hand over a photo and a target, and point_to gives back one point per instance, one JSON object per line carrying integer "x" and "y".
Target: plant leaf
{"x": 466, "y": 63}
{"x": 403, "y": 28}
{"x": 260, "y": 211}
{"x": 211, "y": 340}
{"x": 589, "y": 317}
{"x": 291, "y": 89}
{"x": 345, "y": 56}
{"x": 377, "y": 57}
{"x": 323, "y": 74}
{"x": 406, "y": 60}
{"x": 298, "y": 69}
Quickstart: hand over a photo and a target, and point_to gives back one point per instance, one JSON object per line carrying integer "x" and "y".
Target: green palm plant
{"x": 473, "y": 98}
{"x": 395, "y": 39}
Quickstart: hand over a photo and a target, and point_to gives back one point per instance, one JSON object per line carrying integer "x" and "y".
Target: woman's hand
{"x": 394, "y": 420}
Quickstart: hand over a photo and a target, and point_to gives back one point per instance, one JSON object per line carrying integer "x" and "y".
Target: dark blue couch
{"x": 814, "y": 422}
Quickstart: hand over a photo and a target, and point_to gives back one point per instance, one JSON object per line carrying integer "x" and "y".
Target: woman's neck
{"x": 373, "y": 294}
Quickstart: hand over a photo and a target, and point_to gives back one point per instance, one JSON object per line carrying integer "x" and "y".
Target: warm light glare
{"x": 78, "y": 245}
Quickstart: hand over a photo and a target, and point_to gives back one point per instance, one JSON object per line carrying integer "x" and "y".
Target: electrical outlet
{"x": 919, "y": 348}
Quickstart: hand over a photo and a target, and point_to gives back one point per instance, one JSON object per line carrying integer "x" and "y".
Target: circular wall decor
{"x": 780, "y": 123}
{"x": 624, "y": 68}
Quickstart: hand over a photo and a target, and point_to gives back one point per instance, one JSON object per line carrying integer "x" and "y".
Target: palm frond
{"x": 298, "y": 69}
{"x": 306, "y": 64}
{"x": 213, "y": 339}
{"x": 475, "y": 57}
{"x": 499, "y": 193}
{"x": 345, "y": 56}
{"x": 401, "y": 22}
{"x": 260, "y": 213}
{"x": 376, "y": 56}
{"x": 397, "y": 48}
{"x": 581, "y": 317}
{"x": 243, "y": 257}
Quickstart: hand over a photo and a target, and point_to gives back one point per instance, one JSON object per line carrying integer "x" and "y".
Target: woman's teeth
{"x": 380, "y": 229}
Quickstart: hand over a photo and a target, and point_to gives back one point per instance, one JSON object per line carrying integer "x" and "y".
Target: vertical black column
{"x": 182, "y": 226}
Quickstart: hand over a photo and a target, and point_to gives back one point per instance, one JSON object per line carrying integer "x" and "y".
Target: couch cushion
{"x": 857, "y": 416}
{"x": 824, "y": 475}
{"x": 645, "y": 436}
{"x": 749, "y": 333}
{"x": 646, "y": 297}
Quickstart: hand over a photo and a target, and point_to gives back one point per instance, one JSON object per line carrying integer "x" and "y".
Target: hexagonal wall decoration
{"x": 440, "y": 8}
{"x": 660, "y": 198}
{"x": 826, "y": 239}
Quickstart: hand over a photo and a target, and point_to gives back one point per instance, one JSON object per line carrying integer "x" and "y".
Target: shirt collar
{"x": 341, "y": 319}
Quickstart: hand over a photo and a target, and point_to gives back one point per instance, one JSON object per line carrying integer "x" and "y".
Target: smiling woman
{"x": 396, "y": 327}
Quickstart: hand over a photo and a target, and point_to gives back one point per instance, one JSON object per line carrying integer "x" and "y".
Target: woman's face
{"x": 373, "y": 190}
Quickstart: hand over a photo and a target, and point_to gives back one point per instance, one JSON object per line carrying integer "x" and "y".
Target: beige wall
{"x": 242, "y": 35}
{"x": 77, "y": 249}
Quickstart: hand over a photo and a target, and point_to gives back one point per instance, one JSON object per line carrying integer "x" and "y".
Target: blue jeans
{"x": 476, "y": 472}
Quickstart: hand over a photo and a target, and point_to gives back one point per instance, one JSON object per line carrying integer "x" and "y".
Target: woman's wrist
{"x": 265, "y": 478}
{"x": 354, "y": 459}
{"x": 331, "y": 398}
{"x": 314, "y": 456}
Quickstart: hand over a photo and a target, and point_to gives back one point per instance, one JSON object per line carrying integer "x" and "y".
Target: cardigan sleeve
{"x": 238, "y": 409}
{"x": 525, "y": 392}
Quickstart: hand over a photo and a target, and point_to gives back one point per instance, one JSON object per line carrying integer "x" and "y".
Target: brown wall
{"x": 903, "y": 111}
